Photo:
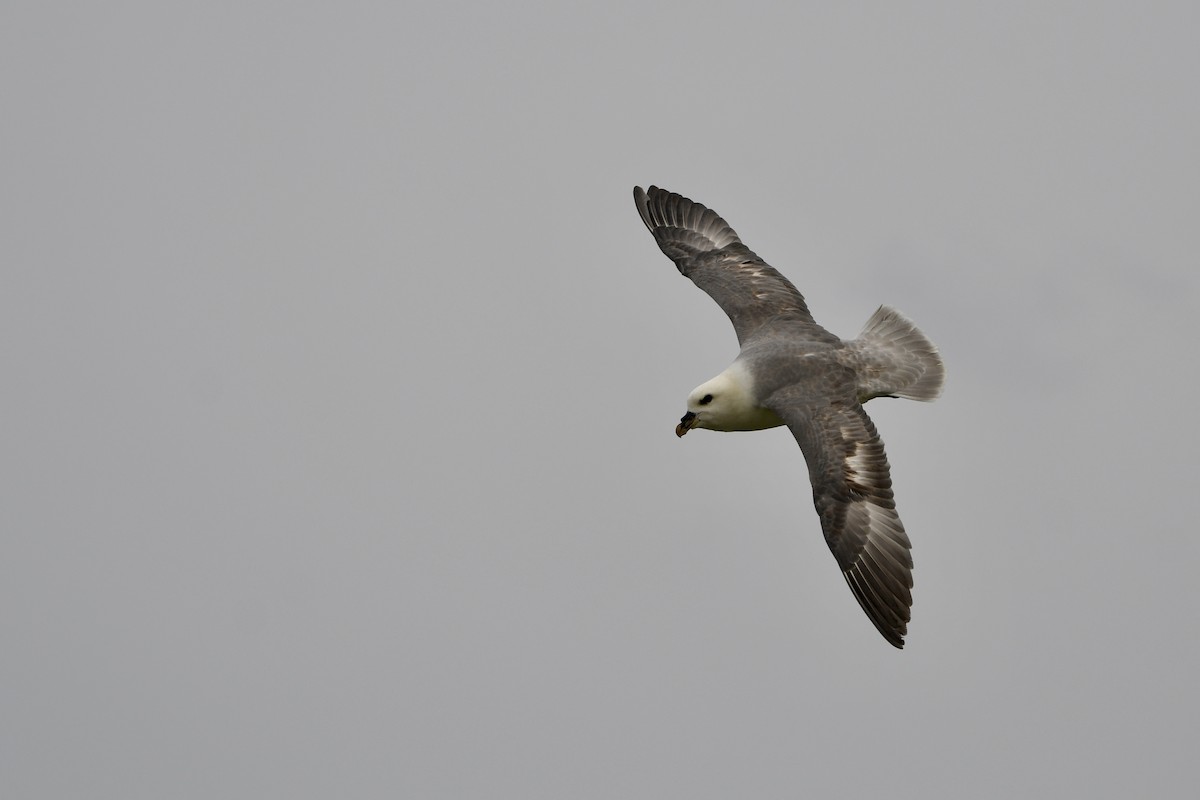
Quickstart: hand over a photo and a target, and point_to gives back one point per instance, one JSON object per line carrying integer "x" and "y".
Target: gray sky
{"x": 340, "y": 379}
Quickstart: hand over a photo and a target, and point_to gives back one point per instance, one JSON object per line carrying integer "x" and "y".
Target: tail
{"x": 894, "y": 359}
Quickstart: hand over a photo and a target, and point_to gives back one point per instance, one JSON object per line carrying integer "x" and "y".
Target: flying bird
{"x": 793, "y": 372}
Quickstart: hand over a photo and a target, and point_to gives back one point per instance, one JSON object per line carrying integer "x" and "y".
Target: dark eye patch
{"x": 706, "y": 399}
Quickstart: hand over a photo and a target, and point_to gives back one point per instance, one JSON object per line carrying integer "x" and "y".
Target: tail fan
{"x": 894, "y": 359}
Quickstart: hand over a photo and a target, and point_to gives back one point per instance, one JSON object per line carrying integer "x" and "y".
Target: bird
{"x": 791, "y": 371}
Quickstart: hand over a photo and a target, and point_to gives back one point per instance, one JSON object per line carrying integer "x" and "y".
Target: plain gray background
{"x": 340, "y": 378}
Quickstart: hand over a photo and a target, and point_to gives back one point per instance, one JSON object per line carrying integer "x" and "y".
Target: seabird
{"x": 793, "y": 372}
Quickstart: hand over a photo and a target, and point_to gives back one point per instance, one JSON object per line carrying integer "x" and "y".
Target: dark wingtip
{"x": 642, "y": 200}
{"x": 891, "y": 626}
{"x": 697, "y": 225}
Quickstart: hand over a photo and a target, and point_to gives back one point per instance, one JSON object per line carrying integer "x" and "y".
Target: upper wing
{"x": 852, "y": 490}
{"x": 707, "y": 250}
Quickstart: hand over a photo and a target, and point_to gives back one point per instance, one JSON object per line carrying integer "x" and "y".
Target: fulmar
{"x": 793, "y": 372}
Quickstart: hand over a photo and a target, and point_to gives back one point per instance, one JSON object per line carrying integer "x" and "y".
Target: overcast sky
{"x": 340, "y": 378}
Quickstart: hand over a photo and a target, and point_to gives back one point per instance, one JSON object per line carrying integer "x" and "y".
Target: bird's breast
{"x": 747, "y": 419}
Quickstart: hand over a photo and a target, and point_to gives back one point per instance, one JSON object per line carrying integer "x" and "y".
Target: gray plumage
{"x": 793, "y": 372}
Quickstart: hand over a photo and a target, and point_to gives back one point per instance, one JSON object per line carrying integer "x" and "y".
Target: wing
{"x": 852, "y": 490}
{"x": 707, "y": 250}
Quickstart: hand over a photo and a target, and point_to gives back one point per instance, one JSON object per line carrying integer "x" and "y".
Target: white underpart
{"x": 732, "y": 407}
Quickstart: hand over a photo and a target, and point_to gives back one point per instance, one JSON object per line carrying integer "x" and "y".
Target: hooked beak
{"x": 686, "y": 424}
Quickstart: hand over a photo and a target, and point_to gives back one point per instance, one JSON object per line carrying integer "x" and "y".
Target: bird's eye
{"x": 706, "y": 399}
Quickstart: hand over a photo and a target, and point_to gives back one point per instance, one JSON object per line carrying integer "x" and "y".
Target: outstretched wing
{"x": 707, "y": 250}
{"x": 852, "y": 490}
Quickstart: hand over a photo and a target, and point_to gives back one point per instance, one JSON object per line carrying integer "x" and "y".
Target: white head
{"x": 726, "y": 403}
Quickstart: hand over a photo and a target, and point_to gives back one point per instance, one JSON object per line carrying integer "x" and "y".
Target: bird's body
{"x": 793, "y": 372}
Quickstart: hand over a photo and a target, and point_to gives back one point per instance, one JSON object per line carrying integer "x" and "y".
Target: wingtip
{"x": 660, "y": 208}
{"x": 891, "y": 622}
{"x": 642, "y": 201}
